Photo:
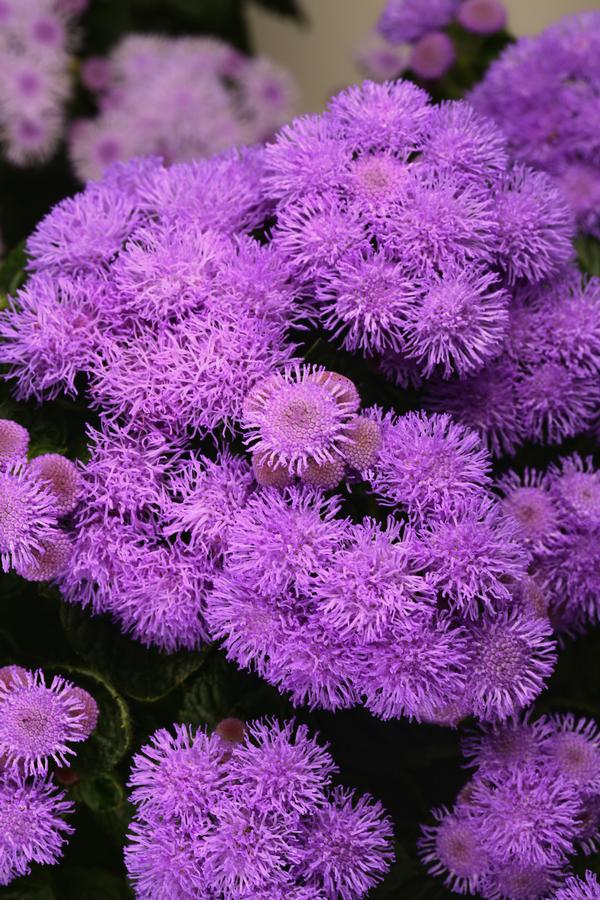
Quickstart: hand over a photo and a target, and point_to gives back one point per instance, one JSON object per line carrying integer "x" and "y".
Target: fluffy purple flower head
{"x": 575, "y": 486}
{"x": 453, "y": 849}
{"x": 281, "y": 767}
{"x": 39, "y": 721}
{"x": 586, "y": 888}
{"x": 543, "y": 92}
{"x": 178, "y": 776}
{"x": 364, "y": 303}
{"x": 32, "y": 829}
{"x": 508, "y": 745}
{"x": 536, "y": 226}
{"x": 570, "y": 576}
{"x": 527, "y": 500}
{"x": 373, "y": 583}
{"x": 484, "y": 402}
{"x": 208, "y": 495}
{"x": 346, "y": 848}
{"x": 520, "y": 880}
{"x": 428, "y": 463}
{"x": 50, "y": 332}
{"x": 62, "y": 479}
{"x": 472, "y": 553}
{"x": 574, "y": 748}
{"x": 513, "y": 657}
{"x": 405, "y": 21}
{"x": 556, "y": 402}
{"x": 455, "y": 321}
{"x": 163, "y": 862}
{"x": 527, "y": 813}
{"x": 416, "y": 671}
{"x": 432, "y": 56}
{"x": 14, "y": 441}
{"x": 299, "y": 416}
{"x": 28, "y": 516}
{"x": 459, "y": 139}
{"x": 482, "y": 16}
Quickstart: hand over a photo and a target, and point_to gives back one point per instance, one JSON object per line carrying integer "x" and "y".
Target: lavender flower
{"x": 531, "y": 802}
{"x": 408, "y": 20}
{"x": 482, "y": 16}
{"x": 528, "y": 502}
{"x": 28, "y": 516}
{"x": 251, "y": 818}
{"x": 14, "y": 441}
{"x": 61, "y": 477}
{"x": 543, "y": 93}
{"x": 39, "y": 721}
{"x": 432, "y": 56}
{"x": 198, "y": 96}
{"x": 51, "y": 561}
{"x": 585, "y": 888}
{"x": 34, "y": 830}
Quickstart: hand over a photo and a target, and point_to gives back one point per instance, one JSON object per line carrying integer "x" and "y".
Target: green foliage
{"x": 588, "y": 254}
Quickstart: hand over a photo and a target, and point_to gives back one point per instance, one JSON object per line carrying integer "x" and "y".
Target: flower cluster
{"x": 171, "y": 320}
{"x": 36, "y": 498}
{"x": 544, "y": 387}
{"x": 38, "y": 723}
{"x": 303, "y": 421}
{"x": 252, "y": 817}
{"x": 434, "y": 620}
{"x": 411, "y": 34}
{"x": 150, "y": 533}
{"x": 532, "y": 803}
{"x": 180, "y": 98}
{"x": 558, "y": 515}
{"x": 544, "y": 92}
{"x": 36, "y": 41}
{"x": 406, "y": 227}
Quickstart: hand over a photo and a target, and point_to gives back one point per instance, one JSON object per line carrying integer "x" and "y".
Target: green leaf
{"x": 111, "y": 739}
{"x": 139, "y": 672}
{"x": 12, "y": 272}
{"x": 103, "y": 793}
{"x": 284, "y": 8}
{"x": 37, "y": 886}
{"x": 588, "y": 254}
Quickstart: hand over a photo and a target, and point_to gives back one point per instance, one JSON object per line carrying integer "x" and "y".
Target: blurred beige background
{"x": 320, "y": 54}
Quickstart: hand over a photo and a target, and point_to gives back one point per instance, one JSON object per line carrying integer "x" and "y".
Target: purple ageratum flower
{"x": 364, "y": 302}
{"x": 163, "y": 861}
{"x": 586, "y": 888}
{"x": 281, "y": 767}
{"x": 61, "y": 477}
{"x": 575, "y": 486}
{"x": 427, "y": 462}
{"x": 453, "y": 848}
{"x": 178, "y": 776}
{"x": 84, "y": 232}
{"x": 415, "y": 671}
{"x": 574, "y": 748}
{"x": 556, "y": 402}
{"x": 455, "y": 320}
{"x": 432, "y": 56}
{"x": 520, "y": 881}
{"x": 405, "y": 21}
{"x": 507, "y": 746}
{"x": 471, "y": 555}
{"x": 461, "y": 140}
{"x": 543, "y": 94}
{"x": 299, "y": 416}
{"x": 513, "y": 657}
{"x": 527, "y": 500}
{"x": 193, "y": 377}
{"x": 27, "y": 517}
{"x": 39, "y": 721}
{"x": 207, "y": 497}
{"x": 34, "y": 830}
{"x": 51, "y": 561}
{"x": 482, "y": 16}
{"x": 528, "y": 814}
{"x": 372, "y": 584}
{"x": 536, "y": 226}
{"x": 89, "y": 709}
{"x": 379, "y": 118}
{"x": 278, "y": 541}
{"x": 226, "y": 189}
{"x": 347, "y": 846}
{"x": 569, "y": 574}
{"x": 14, "y": 442}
